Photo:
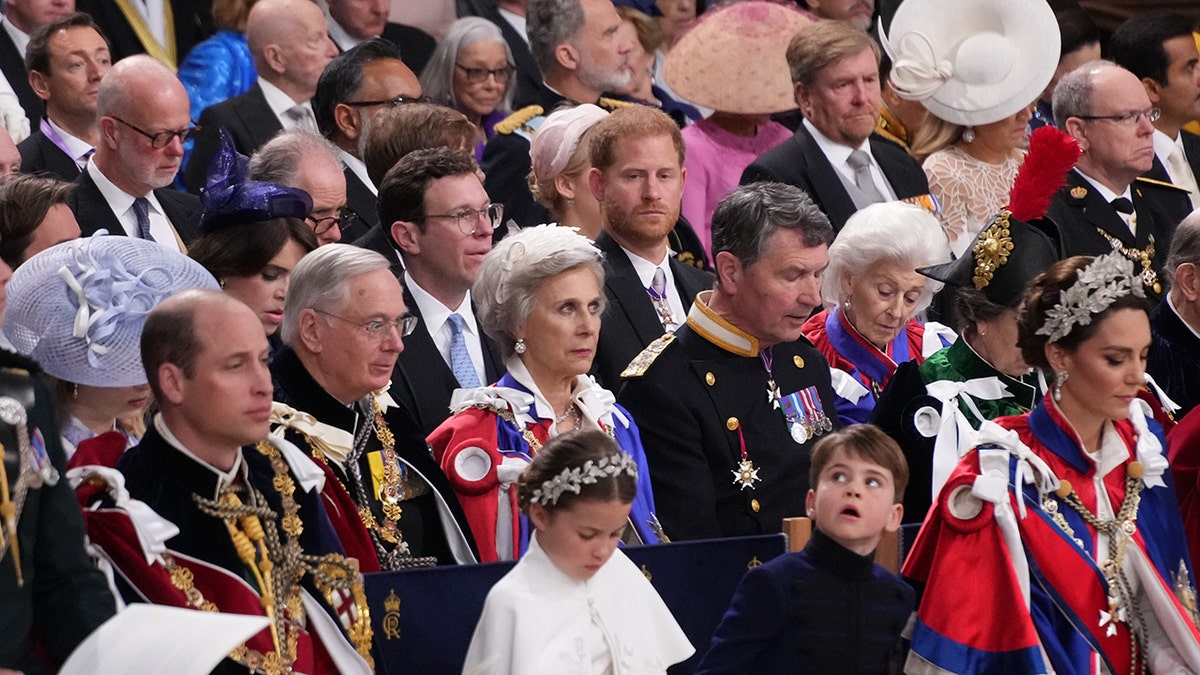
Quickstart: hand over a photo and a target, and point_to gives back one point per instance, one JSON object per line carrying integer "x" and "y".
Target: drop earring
{"x": 519, "y": 347}
{"x": 1059, "y": 378}
{"x": 968, "y": 135}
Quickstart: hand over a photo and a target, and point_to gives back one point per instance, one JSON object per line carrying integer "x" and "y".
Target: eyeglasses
{"x": 163, "y": 138}
{"x": 377, "y": 329}
{"x": 399, "y": 99}
{"x": 467, "y": 220}
{"x": 1127, "y": 119}
{"x": 344, "y": 217}
{"x": 477, "y": 75}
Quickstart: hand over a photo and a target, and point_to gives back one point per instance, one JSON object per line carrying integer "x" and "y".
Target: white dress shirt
{"x": 837, "y": 154}
{"x": 121, "y": 204}
{"x": 645, "y": 271}
{"x": 434, "y": 317}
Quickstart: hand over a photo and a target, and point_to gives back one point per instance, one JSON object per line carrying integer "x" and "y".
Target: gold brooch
{"x": 1078, "y": 192}
{"x": 991, "y": 250}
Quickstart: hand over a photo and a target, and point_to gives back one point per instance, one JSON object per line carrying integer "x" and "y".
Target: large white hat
{"x": 972, "y": 62}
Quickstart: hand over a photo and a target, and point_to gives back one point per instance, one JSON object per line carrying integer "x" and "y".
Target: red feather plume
{"x": 1052, "y": 153}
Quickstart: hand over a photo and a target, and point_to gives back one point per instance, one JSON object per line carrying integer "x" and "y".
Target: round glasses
{"x": 467, "y": 220}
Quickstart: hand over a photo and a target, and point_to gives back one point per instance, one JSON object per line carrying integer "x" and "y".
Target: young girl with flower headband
{"x": 575, "y": 603}
{"x": 1057, "y": 545}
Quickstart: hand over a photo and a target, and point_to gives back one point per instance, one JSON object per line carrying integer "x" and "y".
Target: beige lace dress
{"x": 969, "y": 190}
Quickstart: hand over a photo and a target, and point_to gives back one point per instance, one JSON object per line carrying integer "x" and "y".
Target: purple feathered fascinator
{"x": 230, "y": 198}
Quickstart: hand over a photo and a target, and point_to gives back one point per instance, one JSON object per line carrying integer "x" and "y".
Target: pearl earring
{"x": 1059, "y": 378}
{"x": 968, "y": 135}
{"x": 519, "y": 347}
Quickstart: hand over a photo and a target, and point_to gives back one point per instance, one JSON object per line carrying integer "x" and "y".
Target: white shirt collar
{"x": 19, "y": 38}
{"x": 516, "y": 21}
{"x": 1108, "y": 195}
{"x": 118, "y": 200}
{"x": 359, "y": 168}
{"x": 224, "y": 478}
{"x": 835, "y": 152}
{"x": 340, "y": 37}
{"x": 1163, "y": 145}
{"x": 645, "y": 268}
{"x": 277, "y": 100}
{"x": 434, "y": 313}
{"x": 78, "y": 147}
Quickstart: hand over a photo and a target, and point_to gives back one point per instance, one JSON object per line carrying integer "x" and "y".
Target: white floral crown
{"x": 571, "y": 480}
{"x": 1097, "y": 286}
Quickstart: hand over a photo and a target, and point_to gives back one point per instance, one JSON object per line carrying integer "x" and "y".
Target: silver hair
{"x": 1185, "y": 246}
{"x": 550, "y": 23}
{"x": 279, "y": 160}
{"x": 905, "y": 235}
{"x": 1073, "y": 93}
{"x": 747, "y": 217}
{"x": 437, "y": 80}
{"x": 516, "y": 268}
{"x": 319, "y": 281}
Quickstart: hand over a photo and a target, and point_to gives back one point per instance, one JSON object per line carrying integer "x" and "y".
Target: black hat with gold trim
{"x": 1020, "y": 242}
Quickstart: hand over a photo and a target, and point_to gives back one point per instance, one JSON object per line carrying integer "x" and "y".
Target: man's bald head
{"x": 134, "y": 81}
{"x": 289, "y": 40}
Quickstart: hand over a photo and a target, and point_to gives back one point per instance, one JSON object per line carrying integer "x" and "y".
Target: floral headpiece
{"x": 1096, "y": 287}
{"x": 571, "y": 480}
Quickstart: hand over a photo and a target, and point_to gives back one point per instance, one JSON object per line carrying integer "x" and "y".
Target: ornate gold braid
{"x": 1143, "y": 257}
{"x": 1124, "y": 523}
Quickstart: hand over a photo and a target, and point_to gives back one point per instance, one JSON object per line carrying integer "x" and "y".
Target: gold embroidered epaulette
{"x": 517, "y": 119}
{"x": 642, "y": 362}
{"x": 612, "y": 103}
{"x": 1160, "y": 183}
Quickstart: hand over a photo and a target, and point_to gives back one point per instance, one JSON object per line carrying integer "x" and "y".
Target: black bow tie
{"x": 1123, "y": 205}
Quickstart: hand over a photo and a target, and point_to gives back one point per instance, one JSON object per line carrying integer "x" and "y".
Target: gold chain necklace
{"x": 1120, "y": 530}
{"x": 1138, "y": 256}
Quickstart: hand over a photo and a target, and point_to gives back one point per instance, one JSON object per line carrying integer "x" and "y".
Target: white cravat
{"x": 1181, "y": 173}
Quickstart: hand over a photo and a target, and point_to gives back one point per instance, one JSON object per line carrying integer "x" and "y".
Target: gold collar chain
{"x": 1143, "y": 257}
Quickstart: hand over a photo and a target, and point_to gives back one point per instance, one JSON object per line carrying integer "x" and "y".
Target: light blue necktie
{"x": 460, "y": 359}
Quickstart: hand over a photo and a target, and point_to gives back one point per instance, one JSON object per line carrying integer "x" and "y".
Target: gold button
{"x": 798, "y": 361}
{"x": 710, "y": 379}
{"x": 754, "y": 505}
{"x": 1157, "y": 288}
{"x": 731, "y": 424}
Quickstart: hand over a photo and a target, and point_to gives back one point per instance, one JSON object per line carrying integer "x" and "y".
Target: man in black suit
{"x": 353, "y": 22}
{"x": 67, "y": 59}
{"x": 355, "y": 89}
{"x": 579, "y": 62}
{"x": 1174, "y": 357}
{"x": 1105, "y": 204}
{"x": 1160, "y": 50}
{"x": 290, "y": 44}
{"x": 143, "y": 119}
{"x": 440, "y": 219}
{"x": 509, "y": 15}
{"x": 730, "y": 405}
{"x": 22, "y": 18}
{"x": 648, "y": 290}
{"x": 835, "y": 156}
{"x": 130, "y": 33}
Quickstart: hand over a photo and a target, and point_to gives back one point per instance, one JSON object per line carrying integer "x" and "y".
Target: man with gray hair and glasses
{"x": 343, "y": 327}
{"x": 304, "y": 160}
{"x": 731, "y": 403}
{"x": 1174, "y": 358}
{"x": 1106, "y": 205}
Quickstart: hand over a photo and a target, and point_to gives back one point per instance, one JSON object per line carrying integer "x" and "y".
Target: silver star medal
{"x": 745, "y": 475}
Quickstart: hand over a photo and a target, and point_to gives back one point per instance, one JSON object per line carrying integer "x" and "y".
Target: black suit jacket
{"x": 1174, "y": 358}
{"x": 1081, "y": 213}
{"x": 39, "y": 155}
{"x": 249, "y": 121}
{"x": 93, "y": 212}
{"x": 380, "y": 240}
{"x": 423, "y": 381}
{"x": 799, "y": 161}
{"x": 365, "y": 206}
{"x": 12, "y": 63}
{"x": 416, "y": 46}
{"x": 193, "y": 23}
{"x": 631, "y": 322}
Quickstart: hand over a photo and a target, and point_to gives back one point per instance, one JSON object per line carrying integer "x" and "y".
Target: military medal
{"x": 773, "y": 395}
{"x": 799, "y": 433}
{"x": 800, "y": 425}
{"x": 811, "y": 399}
{"x": 745, "y": 475}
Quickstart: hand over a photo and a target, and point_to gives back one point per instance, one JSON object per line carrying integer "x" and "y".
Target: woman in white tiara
{"x": 1057, "y": 545}
{"x": 575, "y": 603}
